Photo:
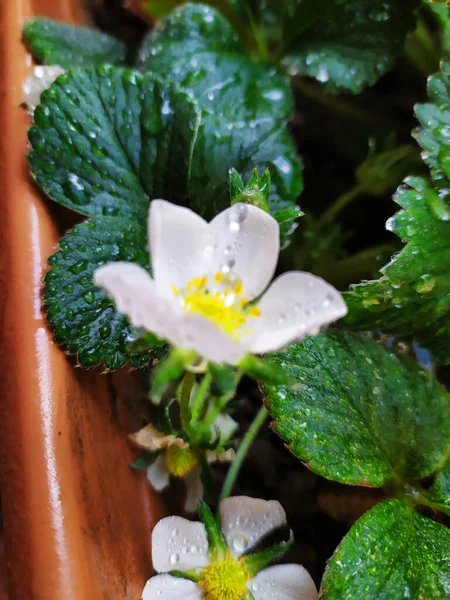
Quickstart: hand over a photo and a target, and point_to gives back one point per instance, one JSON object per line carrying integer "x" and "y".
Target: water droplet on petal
{"x": 237, "y": 215}
{"x": 174, "y": 558}
{"x": 240, "y": 543}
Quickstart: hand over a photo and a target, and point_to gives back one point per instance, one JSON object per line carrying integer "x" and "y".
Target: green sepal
{"x": 168, "y": 370}
{"x": 236, "y": 185}
{"x": 217, "y": 545}
{"x": 194, "y": 575}
{"x": 225, "y": 379}
{"x": 144, "y": 461}
{"x": 287, "y": 215}
{"x": 163, "y": 421}
{"x": 263, "y": 370}
{"x": 144, "y": 342}
{"x": 256, "y": 193}
{"x": 257, "y": 562}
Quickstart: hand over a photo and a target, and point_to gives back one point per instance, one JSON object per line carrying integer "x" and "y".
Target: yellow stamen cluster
{"x": 180, "y": 461}
{"x": 223, "y": 304}
{"x": 225, "y": 579}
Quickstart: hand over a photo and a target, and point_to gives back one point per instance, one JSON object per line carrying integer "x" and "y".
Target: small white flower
{"x": 179, "y": 459}
{"x": 205, "y": 277}
{"x": 181, "y": 545}
{"x": 41, "y": 79}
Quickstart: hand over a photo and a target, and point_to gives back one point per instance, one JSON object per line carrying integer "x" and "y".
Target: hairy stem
{"x": 361, "y": 265}
{"x": 185, "y": 412}
{"x": 244, "y": 447}
{"x": 338, "y": 206}
{"x": 199, "y": 398}
{"x": 421, "y": 50}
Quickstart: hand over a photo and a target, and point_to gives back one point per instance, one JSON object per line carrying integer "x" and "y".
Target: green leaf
{"x": 83, "y": 317}
{"x": 434, "y": 118}
{"x": 353, "y": 44}
{"x": 104, "y": 142}
{"x": 357, "y": 413}
{"x": 391, "y": 552}
{"x": 282, "y": 22}
{"x": 412, "y": 298}
{"x": 442, "y": 12}
{"x": 439, "y": 493}
{"x": 199, "y": 49}
{"x": 221, "y": 145}
{"x": 107, "y": 140}
{"x": 244, "y": 105}
{"x": 55, "y": 43}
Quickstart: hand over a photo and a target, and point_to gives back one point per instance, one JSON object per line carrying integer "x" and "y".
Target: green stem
{"x": 421, "y": 50}
{"x": 261, "y": 46}
{"x": 244, "y": 447}
{"x": 359, "y": 266}
{"x": 214, "y": 413}
{"x": 339, "y": 104}
{"x": 342, "y": 202}
{"x": 199, "y": 398}
{"x": 185, "y": 412}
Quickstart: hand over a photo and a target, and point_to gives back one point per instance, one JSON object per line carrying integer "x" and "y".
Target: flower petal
{"x": 158, "y": 475}
{"x": 180, "y": 244}
{"x": 194, "y": 489}
{"x": 207, "y": 339}
{"x": 295, "y": 305}
{"x": 246, "y": 520}
{"x": 213, "y": 456}
{"x": 283, "y": 582}
{"x": 166, "y": 587}
{"x": 151, "y": 439}
{"x": 248, "y": 243}
{"x": 226, "y": 425}
{"x": 135, "y": 294}
{"x": 179, "y": 544}
{"x": 40, "y": 79}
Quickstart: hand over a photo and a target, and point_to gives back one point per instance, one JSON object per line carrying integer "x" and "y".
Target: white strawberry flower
{"x": 204, "y": 295}
{"x": 40, "y": 79}
{"x": 219, "y": 566}
{"x": 177, "y": 458}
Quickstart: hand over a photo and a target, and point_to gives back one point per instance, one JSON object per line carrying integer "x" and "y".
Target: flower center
{"x": 179, "y": 461}
{"x": 225, "y": 579}
{"x": 223, "y": 303}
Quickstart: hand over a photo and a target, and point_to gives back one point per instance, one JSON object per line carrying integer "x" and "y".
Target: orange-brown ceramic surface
{"x": 77, "y": 520}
